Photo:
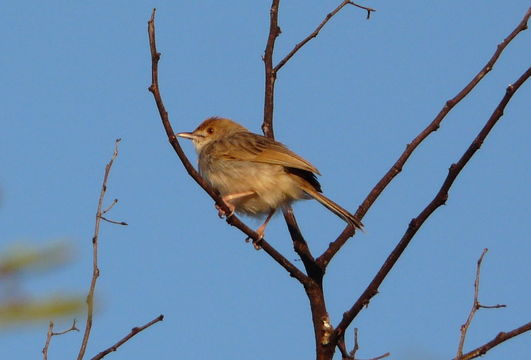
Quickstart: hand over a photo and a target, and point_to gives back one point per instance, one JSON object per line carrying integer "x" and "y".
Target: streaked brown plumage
{"x": 254, "y": 174}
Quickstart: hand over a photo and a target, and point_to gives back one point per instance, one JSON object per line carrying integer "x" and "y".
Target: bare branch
{"x": 334, "y": 247}
{"x": 301, "y": 247}
{"x": 270, "y": 73}
{"x": 232, "y": 220}
{"x": 50, "y": 333}
{"x": 126, "y": 338}
{"x": 352, "y": 354}
{"x": 368, "y": 9}
{"x": 476, "y": 305}
{"x": 95, "y": 269}
{"x": 114, "y": 222}
{"x": 474, "y": 309}
{"x": 439, "y": 199}
{"x": 501, "y": 337}
{"x": 314, "y": 34}
{"x": 114, "y": 202}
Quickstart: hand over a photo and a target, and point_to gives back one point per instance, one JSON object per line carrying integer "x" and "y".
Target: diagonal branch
{"x": 314, "y": 34}
{"x": 501, "y": 337}
{"x": 232, "y": 220}
{"x": 438, "y": 200}
{"x": 334, "y": 247}
{"x": 126, "y": 338}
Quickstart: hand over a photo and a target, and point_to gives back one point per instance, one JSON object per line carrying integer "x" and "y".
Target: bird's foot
{"x": 222, "y": 214}
{"x": 256, "y": 243}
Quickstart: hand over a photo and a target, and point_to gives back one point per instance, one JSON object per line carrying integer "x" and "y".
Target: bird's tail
{"x": 335, "y": 208}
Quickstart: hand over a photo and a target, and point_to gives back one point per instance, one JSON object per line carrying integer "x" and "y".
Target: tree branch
{"x": 271, "y": 71}
{"x": 437, "y": 201}
{"x": 501, "y": 337}
{"x": 334, "y": 247}
{"x": 270, "y": 74}
{"x": 314, "y": 34}
{"x": 95, "y": 269}
{"x": 50, "y": 334}
{"x": 232, "y": 220}
{"x": 126, "y": 338}
{"x": 475, "y": 307}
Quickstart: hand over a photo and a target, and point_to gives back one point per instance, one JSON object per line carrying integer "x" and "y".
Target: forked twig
{"x": 271, "y": 71}
{"x": 51, "y": 333}
{"x": 476, "y": 305}
{"x": 95, "y": 269}
{"x": 314, "y": 34}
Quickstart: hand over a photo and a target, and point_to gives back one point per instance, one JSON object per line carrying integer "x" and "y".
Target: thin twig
{"x": 126, "y": 338}
{"x": 114, "y": 202}
{"x": 352, "y": 354}
{"x": 271, "y": 71}
{"x": 334, "y": 247}
{"x": 476, "y": 305}
{"x": 51, "y": 333}
{"x": 95, "y": 269}
{"x": 356, "y": 344}
{"x": 501, "y": 337}
{"x": 378, "y": 357}
{"x": 314, "y": 34}
{"x": 343, "y": 349}
{"x": 232, "y": 220}
{"x": 438, "y": 200}
{"x": 114, "y": 222}
{"x": 368, "y": 9}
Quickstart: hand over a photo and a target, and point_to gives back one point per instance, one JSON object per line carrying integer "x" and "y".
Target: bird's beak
{"x": 186, "y": 135}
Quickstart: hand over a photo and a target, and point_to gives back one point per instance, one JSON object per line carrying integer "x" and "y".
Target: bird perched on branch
{"x": 253, "y": 174}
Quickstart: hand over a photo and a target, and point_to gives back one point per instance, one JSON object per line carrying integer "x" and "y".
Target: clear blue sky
{"x": 75, "y": 77}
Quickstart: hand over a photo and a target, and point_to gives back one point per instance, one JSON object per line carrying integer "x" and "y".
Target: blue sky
{"x": 75, "y": 78}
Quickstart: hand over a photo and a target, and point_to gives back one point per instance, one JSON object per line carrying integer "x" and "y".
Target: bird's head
{"x": 211, "y": 129}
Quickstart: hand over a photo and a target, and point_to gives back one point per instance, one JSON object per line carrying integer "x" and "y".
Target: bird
{"x": 255, "y": 175}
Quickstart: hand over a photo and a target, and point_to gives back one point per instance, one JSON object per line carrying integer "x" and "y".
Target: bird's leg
{"x": 227, "y": 200}
{"x": 260, "y": 231}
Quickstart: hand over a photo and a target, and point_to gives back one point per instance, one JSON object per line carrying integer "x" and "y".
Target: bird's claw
{"x": 256, "y": 243}
{"x": 222, "y": 214}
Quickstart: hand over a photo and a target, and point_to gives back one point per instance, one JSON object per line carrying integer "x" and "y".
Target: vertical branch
{"x": 270, "y": 72}
{"x": 475, "y": 307}
{"x": 95, "y": 269}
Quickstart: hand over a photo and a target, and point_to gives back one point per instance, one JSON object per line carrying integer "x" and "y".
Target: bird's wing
{"x": 258, "y": 148}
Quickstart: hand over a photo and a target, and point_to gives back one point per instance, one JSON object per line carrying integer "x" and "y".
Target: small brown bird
{"x": 256, "y": 175}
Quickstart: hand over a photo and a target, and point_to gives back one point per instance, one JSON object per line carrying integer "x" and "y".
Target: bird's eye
{"x": 210, "y": 130}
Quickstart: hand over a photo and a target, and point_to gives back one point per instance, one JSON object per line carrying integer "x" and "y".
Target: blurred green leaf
{"x": 25, "y": 258}
{"x": 38, "y": 310}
